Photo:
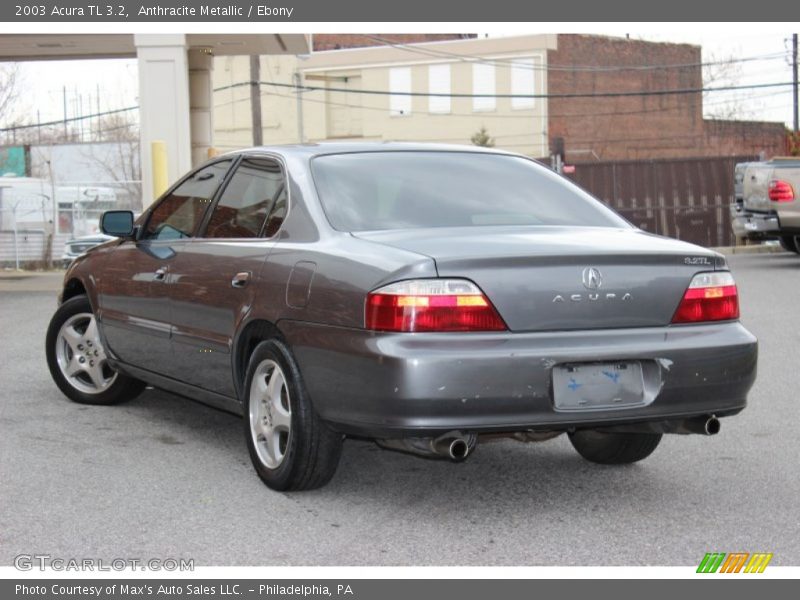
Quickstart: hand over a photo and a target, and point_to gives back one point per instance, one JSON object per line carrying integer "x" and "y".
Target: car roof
{"x": 323, "y": 148}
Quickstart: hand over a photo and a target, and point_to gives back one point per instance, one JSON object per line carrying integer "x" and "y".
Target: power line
{"x": 668, "y": 92}
{"x": 60, "y": 122}
{"x": 550, "y": 114}
{"x": 70, "y": 119}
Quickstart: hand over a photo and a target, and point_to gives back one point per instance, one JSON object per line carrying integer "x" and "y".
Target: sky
{"x": 772, "y": 104}
{"x": 115, "y": 81}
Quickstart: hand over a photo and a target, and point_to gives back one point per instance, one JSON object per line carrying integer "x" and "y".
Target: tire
{"x": 790, "y": 243}
{"x": 291, "y": 448}
{"x": 77, "y": 360}
{"x": 614, "y": 448}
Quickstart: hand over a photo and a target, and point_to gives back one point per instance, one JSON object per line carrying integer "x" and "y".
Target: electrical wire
{"x": 668, "y": 92}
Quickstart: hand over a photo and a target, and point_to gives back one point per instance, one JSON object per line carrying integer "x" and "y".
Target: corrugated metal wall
{"x": 687, "y": 199}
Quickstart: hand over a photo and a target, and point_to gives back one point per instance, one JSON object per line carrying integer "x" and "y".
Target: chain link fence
{"x": 38, "y": 218}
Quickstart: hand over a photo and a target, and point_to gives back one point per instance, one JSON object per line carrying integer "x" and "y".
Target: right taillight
{"x": 709, "y": 297}
{"x": 780, "y": 191}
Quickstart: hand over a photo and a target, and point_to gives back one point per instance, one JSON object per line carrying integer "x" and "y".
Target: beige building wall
{"x": 340, "y": 112}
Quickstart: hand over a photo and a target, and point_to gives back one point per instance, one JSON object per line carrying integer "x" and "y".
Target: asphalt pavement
{"x": 165, "y": 477}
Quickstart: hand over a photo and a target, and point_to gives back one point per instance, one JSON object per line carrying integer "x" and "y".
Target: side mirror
{"x": 118, "y": 223}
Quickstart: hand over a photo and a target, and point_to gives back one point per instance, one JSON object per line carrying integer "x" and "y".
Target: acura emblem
{"x": 592, "y": 278}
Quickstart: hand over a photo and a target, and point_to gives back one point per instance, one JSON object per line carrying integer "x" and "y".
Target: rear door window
{"x": 256, "y": 191}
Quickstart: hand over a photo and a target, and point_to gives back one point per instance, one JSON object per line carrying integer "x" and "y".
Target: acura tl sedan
{"x": 427, "y": 297}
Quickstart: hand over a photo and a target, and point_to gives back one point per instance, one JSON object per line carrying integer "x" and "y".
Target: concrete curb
{"x": 31, "y": 281}
{"x": 760, "y": 249}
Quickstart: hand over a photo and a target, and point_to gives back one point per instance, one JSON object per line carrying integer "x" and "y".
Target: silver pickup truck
{"x": 767, "y": 201}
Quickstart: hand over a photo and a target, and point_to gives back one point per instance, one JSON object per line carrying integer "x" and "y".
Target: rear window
{"x": 407, "y": 190}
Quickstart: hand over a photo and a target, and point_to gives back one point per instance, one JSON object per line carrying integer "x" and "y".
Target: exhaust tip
{"x": 712, "y": 426}
{"x": 459, "y": 450}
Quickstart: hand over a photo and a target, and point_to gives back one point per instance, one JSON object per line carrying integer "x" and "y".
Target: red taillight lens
{"x": 780, "y": 191}
{"x": 431, "y": 305}
{"x": 710, "y": 297}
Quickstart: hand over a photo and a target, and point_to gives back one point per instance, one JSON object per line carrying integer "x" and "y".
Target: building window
{"x": 400, "y": 86}
{"x": 522, "y": 82}
{"x": 483, "y": 82}
{"x": 439, "y": 83}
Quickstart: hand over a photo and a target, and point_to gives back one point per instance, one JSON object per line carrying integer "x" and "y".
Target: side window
{"x": 253, "y": 193}
{"x": 277, "y": 214}
{"x": 177, "y": 215}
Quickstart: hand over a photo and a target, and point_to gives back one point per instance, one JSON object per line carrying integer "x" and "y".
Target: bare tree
{"x": 118, "y": 158}
{"x": 9, "y": 91}
{"x": 723, "y": 71}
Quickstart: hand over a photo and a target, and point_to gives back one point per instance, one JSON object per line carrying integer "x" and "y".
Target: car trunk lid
{"x": 559, "y": 278}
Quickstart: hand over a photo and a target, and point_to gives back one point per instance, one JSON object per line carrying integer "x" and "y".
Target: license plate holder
{"x": 598, "y": 386}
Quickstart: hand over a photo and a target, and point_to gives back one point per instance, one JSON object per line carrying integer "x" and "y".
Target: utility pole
{"x": 79, "y": 99}
{"x": 255, "y": 100}
{"x": 64, "y": 92}
{"x": 298, "y": 82}
{"x": 99, "y": 121}
{"x": 794, "y": 77}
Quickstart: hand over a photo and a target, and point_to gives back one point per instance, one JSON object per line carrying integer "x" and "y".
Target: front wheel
{"x": 77, "y": 360}
{"x": 290, "y": 446}
{"x": 614, "y": 448}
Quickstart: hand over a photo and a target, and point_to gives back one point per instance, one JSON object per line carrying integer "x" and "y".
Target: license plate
{"x": 751, "y": 226}
{"x": 592, "y": 386}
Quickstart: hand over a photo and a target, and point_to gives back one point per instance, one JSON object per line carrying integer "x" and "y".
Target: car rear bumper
{"x": 384, "y": 384}
{"x": 748, "y": 224}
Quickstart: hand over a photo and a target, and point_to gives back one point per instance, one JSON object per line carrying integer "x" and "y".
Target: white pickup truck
{"x": 767, "y": 201}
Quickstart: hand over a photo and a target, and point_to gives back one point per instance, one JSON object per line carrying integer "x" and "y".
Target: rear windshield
{"x": 407, "y": 190}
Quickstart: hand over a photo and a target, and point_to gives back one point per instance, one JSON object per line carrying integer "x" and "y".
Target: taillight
{"x": 780, "y": 191}
{"x": 431, "y": 305}
{"x": 710, "y": 297}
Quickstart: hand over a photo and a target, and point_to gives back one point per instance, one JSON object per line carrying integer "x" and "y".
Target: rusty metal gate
{"x": 685, "y": 198}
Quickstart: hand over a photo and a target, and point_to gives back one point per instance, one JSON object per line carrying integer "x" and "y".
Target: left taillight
{"x": 431, "y": 305}
{"x": 709, "y": 297}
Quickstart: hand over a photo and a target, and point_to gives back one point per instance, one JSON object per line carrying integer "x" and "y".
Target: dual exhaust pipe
{"x": 457, "y": 446}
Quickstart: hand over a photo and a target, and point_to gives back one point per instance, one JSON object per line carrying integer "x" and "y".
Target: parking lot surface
{"x": 163, "y": 476}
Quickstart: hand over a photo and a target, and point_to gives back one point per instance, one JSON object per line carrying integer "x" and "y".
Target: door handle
{"x": 240, "y": 279}
{"x": 160, "y": 274}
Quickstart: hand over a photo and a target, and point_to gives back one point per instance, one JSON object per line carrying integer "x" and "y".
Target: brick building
{"x": 636, "y": 127}
{"x": 339, "y": 41}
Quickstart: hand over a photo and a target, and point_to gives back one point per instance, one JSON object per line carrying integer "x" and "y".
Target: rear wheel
{"x": 77, "y": 360}
{"x": 614, "y": 448}
{"x": 290, "y": 446}
{"x": 790, "y": 243}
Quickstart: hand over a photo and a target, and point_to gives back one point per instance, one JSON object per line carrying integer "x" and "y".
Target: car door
{"x": 211, "y": 277}
{"x": 134, "y": 304}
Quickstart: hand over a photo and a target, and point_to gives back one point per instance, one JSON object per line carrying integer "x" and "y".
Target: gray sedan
{"x": 427, "y": 297}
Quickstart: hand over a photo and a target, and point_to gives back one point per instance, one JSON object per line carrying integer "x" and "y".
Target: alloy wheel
{"x": 270, "y": 413}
